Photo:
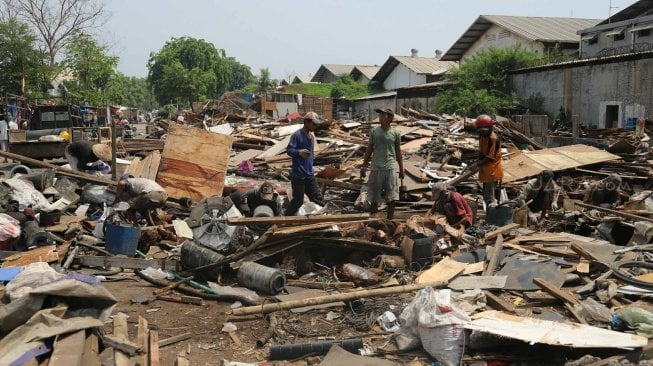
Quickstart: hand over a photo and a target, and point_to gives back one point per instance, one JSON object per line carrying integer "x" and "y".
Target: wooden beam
{"x": 291, "y": 220}
{"x": 120, "y": 331}
{"x": 58, "y": 169}
{"x": 502, "y": 230}
{"x": 496, "y": 252}
{"x": 499, "y": 303}
{"x": 556, "y": 292}
{"x": 132, "y": 263}
{"x": 69, "y": 349}
{"x": 339, "y": 184}
{"x": 91, "y": 356}
{"x": 154, "y": 348}
{"x": 142, "y": 341}
{"x": 175, "y": 339}
{"x": 615, "y": 212}
{"x": 362, "y": 294}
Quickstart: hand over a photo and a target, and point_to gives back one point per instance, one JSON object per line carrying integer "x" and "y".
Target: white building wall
{"x": 500, "y": 37}
{"x": 402, "y": 76}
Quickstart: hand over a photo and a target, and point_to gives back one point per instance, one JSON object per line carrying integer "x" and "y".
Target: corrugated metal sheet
{"x": 543, "y": 29}
{"x": 531, "y": 28}
{"x": 335, "y": 69}
{"x": 368, "y": 71}
{"x": 419, "y": 65}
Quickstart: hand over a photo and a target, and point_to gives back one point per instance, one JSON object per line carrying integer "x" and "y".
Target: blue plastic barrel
{"x": 121, "y": 239}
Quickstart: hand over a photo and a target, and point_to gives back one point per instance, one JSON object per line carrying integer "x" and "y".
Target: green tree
{"x": 20, "y": 54}
{"x": 241, "y": 75}
{"x": 482, "y": 85}
{"x": 189, "y": 68}
{"x": 130, "y": 91}
{"x": 91, "y": 66}
{"x": 264, "y": 81}
{"x": 347, "y": 87}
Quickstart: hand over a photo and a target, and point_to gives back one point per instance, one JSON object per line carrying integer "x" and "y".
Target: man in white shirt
{"x": 143, "y": 196}
{"x": 4, "y": 134}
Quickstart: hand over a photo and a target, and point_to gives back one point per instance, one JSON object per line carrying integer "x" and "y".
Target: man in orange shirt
{"x": 490, "y": 171}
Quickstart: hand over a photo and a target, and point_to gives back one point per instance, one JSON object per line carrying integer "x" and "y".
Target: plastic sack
{"x": 235, "y": 291}
{"x": 440, "y": 324}
{"x": 32, "y": 276}
{"x": 97, "y": 194}
{"x": 98, "y": 231}
{"x": 27, "y": 196}
{"x": 634, "y": 318}
{"x": 9, "y": 227}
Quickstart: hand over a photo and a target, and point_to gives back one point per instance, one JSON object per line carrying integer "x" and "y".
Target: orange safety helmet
{"x": 483, "y": 121}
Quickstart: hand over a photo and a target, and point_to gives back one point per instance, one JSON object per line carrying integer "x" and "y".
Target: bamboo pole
{"x": 268, "y": 308}
{"x": 614, "y": 212}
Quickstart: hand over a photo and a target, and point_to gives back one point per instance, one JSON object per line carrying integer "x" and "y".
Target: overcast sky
{"x": 296, "y": 36}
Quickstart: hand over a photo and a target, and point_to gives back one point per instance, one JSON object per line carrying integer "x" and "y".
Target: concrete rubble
{"x": 333, "y": 285}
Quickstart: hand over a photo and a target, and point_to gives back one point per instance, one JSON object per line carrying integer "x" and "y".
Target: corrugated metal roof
{"x": 638, "y": 9}
{"x": 383, "y": 95}
{"x": 419, "y": 65}
{"x": 541, "y": 29}
{"x": 301, "y": 79}
{"x": 367, "y": 71}
{"x": 335, "y": 69}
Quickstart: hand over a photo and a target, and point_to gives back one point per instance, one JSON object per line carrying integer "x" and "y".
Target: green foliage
{"x": 190, "y": 69}
{"x": 535, "y": 103}
{"x": 91, "y": 66}
{"x": 130, "y": 91}
{"x": 482, "y": 84}
{"x": 264, "y": 81}
{"x": 343, "y": 88}
{"x": 347, "y": 88}
{"x": 20, "y": 52}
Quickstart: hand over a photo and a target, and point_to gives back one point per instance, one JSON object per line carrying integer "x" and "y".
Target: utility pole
{"x": 610, "y": 7}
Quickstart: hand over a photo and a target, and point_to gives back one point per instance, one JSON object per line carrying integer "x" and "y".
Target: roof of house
{"x": 303, "y": 79}
{"x": 419, "y": 65}
{"x": 367, "y": 71}
{"x": 335, "y": 69}
{"x": 638, "y": 9}
{"x": 540, "y": 29}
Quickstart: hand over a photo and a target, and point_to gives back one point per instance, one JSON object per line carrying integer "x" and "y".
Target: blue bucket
{"x": 121, "y": 239}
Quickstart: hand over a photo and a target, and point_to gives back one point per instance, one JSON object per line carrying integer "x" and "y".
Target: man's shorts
{"x": 148, "y": 201}
{"x": 383, "y": 185}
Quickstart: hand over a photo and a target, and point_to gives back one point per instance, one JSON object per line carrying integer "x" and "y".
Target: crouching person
{"x": 143, "y": 196}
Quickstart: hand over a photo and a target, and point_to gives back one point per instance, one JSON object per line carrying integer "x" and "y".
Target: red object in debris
{"x": 7, "y": 244}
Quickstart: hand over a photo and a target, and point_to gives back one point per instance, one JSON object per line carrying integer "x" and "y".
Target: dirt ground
{"x": 209, "y": 345}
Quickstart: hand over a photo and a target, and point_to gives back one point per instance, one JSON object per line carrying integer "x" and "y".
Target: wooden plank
{"x": 276, "y": 149}
{"x": 478, "y": 282}
{"x": 194, "y": 162}
{"x": 541, "y": 298}
{"x": 120, "y": 332}
{"x": 142, "y": 341}
{"x": 249, "y": 154}
{"x": 499, "y": 303}
{"x": 154, "y": 348}
{"x": 288, "y": 220}
{"x": 91, "y": 356}
{"x": 339, "y": 184}
{"x": 615, "y": 212}
{"x": 46, "y": 254}
{"x": 154, "y": 165}
{"x": 502, "y": 230}
{"x": 175, "y": 339}
{"x": 182, "y": 361}
{"x": 134, "y": 263}
{"x": 415, "y": 144}
{"x": 554, "y": 291}
{"x": 496, "y": 252}
{"x": 443, "y": 271}
{"x": 474, "y": 268}
{"x": 69, "y": 349}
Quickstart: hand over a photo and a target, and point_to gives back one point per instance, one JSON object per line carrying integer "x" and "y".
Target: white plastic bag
{"x": 27, "y": 196}
{"x": 32, "y": 276}
{"x": 9, "y": 227}
{"x": 440, "y": 324}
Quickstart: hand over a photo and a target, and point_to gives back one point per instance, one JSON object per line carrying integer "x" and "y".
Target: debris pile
{"x": 197, "y": 212}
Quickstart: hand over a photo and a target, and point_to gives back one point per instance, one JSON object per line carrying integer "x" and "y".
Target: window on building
{"x": 619, "y": 37}
{"x": 644, "y": 33}
{"x": 593, "y": 40}
{"x": 504, "y": 34}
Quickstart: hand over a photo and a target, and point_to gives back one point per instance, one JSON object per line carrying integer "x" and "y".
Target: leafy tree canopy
{"x": 191, "y": 69}
{"x": 346, "y": 87}
{"x": 482, "y": 84}
{"x": 20, "y": 54}
{"x": 91, "y": 66}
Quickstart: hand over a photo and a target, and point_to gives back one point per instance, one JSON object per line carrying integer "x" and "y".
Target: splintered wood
{"x": 194, "y": 162}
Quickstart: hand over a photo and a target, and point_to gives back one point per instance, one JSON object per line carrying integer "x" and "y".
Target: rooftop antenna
{"x": 610, "y": 11}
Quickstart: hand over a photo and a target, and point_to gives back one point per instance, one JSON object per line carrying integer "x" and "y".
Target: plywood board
{"x": 533, "y": 331}
{"x": 194, "y": 162}
{"x": 444, "y": 270}
{"x": 68, "y": 349}
{"x": 249, "y": 154}
{"x": 276, "y": 149}
{"x": 478, "y": 282}
{"x": 415, "y": 144}
{"x": 308, "y": 294}
{"x": 531, "y": 163}
{"x": 43, "y": 254}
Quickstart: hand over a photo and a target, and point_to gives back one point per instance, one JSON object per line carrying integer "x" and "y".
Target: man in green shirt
{"x": 385, "y": 150}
